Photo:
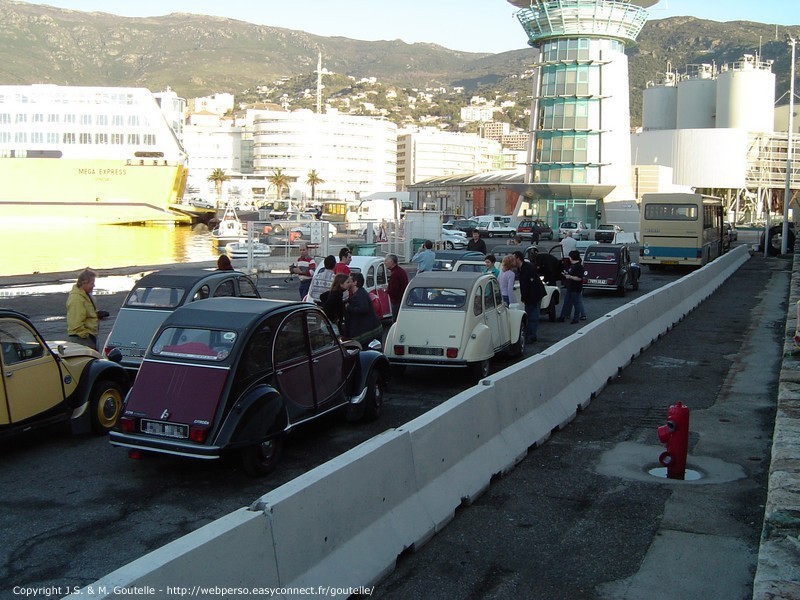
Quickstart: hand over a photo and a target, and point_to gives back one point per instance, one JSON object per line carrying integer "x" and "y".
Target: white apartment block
{"x": 211, "y": 146}
{"x": 471, "y": 114}
{"x": 427, "y": 153}
{"x": 354, "y": 155}
{"x": 218, "y": 104}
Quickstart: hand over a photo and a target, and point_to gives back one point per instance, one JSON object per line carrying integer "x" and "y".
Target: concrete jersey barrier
{"x": 342, "y": 525}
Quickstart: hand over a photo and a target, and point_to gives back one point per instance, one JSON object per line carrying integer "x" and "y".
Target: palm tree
{"x": 280, "y": 180}
{"x": 313, "y": 179}
{"x": 218, "y": 176}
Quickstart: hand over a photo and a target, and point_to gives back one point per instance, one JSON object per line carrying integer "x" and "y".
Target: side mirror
{"x": 115, "y": 355}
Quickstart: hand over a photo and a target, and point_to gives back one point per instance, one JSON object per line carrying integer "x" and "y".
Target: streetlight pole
{"x": 789, "y": 148}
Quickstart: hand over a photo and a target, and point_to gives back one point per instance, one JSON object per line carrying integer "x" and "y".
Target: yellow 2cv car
{"x": 454, "y": 320}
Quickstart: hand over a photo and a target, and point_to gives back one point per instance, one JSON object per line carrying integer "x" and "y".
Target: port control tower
{"x": 579, "y": 160}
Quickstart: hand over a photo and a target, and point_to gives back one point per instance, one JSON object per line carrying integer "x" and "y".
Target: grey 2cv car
{"x": 156, "y": 296}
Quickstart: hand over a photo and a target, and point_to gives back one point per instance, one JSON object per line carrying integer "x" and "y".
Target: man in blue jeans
{"x": 531, "y": 290}
{"x": 574, "y": 296}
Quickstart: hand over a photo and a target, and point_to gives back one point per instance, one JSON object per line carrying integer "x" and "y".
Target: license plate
{"x": 425, "y": 351}
{"x": 598, "y": 281}
{"x": 669, "y": 262}
{"x": 136, "y": 352}
{"x": 173, "y": 430}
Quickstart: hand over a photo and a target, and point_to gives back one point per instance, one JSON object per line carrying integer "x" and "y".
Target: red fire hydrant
{"x": 675, "y": 434}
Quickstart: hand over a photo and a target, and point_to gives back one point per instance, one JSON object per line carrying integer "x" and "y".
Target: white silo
{"x": 746, "y": 95}
{"x": 697, "y": 99}
{"x": 660, "y": 104}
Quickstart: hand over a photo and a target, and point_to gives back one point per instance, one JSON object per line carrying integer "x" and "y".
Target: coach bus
{"x": 680, "y": 229}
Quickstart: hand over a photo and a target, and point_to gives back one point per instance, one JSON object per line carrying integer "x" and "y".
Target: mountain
{"x": 198, "y": 55}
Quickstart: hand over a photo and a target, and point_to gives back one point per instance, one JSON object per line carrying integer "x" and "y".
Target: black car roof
{"x": 182, "y": 277}
{"x": 229, "y": 312}
{"x": 458, "y": 255}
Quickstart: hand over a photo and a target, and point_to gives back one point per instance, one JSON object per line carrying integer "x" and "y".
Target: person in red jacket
{"x": 398, "y": 282}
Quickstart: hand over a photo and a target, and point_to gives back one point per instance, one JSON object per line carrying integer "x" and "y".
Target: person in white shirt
{"x": 569, "y": 243}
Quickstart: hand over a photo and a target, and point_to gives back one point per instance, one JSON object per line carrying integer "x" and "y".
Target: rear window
{"x": 437, "y": 297}
{"x": 196, "y": 344}
{"x": 593, "y": 256}
{"x": 155, "y": 297}
{"x": 569, "y": 225}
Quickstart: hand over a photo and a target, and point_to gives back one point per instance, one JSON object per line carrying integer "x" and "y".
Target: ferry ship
{"x": 105, "y": 155}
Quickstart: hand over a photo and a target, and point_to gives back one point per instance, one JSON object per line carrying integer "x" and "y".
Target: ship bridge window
{"x": 20, "y": 137}
{"x": 5, "y": 118}
{"x": 149, "y": 139}
{"x": 133, "y": 139}
{"x": 133, "y": 120}
{"x": 52, "y": 137}
{"x": 69, "y": 138}
{"x": 101, "y": 120}
{"x": 69, "y": 118}
{"x": 54, "y": 118}
{"x": 37, "y": 117}
{"x": 22, "y": 118}
{"x": 85, "y": 138}
{"x": 117, "y": 138}
{"x": 100, "y": 138}
{"x": 86, "y": 119}
{"x": 117, "y": 120}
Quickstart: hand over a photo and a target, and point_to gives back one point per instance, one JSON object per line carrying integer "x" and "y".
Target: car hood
{"x": 72, "y": 349}
{"x": 180, "y": 393}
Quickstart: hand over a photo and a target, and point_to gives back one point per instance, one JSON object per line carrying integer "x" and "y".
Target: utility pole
{"x": 787, "y": 187}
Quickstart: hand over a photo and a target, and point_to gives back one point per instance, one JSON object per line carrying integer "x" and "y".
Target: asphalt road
{"x": 76, "y": 508}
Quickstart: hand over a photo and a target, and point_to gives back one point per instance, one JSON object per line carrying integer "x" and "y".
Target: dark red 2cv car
{"x": 235, "y": 375}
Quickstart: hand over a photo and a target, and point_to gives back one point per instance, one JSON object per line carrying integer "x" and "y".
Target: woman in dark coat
{"x": 361, "y": 321}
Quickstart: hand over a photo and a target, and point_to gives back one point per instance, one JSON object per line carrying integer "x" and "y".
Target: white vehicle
{"x": 453, "y": 239}
{"x": 372, "y": 211}
{"x": 454, "y": 320}
{"x": 497, "y": 229}
{"x": 578, "y": 228}
{"x": 305, "y": 229}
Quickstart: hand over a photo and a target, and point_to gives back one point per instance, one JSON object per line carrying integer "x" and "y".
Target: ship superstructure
{"x": 99, "y": 154}
{"x": 580, "y": 145}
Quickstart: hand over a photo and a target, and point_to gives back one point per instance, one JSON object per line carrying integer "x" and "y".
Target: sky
{"x": 478, "y": 26}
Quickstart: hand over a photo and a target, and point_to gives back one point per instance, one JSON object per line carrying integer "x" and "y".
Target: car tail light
{"x": 107, "y": 349}
{"x": 452, "y": 352}
{"x": 399, "y": 350}
{"x": 198, "y": 433}
{"x": 127, "y": 424}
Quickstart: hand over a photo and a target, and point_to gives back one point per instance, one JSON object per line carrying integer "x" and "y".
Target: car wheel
{"x": 106, "y": 405}
{"x": 551, "y": 310}
{"x": 479, "y": 369}
{"x": 262, "y": 458}
{"x": 448, "y": 245}
{"x": 518, "y": 348}
{"x": 373, "y": 403}
{"x": 512, "y": 234}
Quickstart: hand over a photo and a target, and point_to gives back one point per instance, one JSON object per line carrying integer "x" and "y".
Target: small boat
{"x": 242, "y": 248}
{"x": 230, "y": 228}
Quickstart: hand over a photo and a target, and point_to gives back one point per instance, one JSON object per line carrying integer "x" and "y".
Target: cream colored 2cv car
{"x": 454, "y": 320}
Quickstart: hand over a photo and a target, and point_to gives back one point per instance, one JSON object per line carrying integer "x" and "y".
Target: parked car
{"x": 202, "y": 203}
{"x": 453, "y": 239}
{"x": 236, "y": 375}
{"x": 548, "y": 305}
{"x": 376, "y": 282}
{"x": 305, "y": 229}
{"x": 497, "y": 228}
{"x": 155, "y": 296}
{"x": 578, "y": 228}
{"x": 454, "y": 320}
{"x": 465, "y": 225}
{"x": 609, "y": 267}
{"x": 526, "y": 229}
{"x": 48, "y": 382}
{"x": 606, "y": 232}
